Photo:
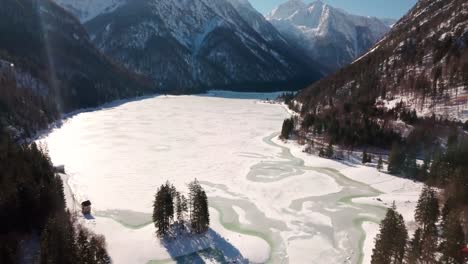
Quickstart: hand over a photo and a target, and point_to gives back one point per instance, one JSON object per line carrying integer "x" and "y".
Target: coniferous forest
{"x": 172, "y": 207}
{"x": 32, "y": 209}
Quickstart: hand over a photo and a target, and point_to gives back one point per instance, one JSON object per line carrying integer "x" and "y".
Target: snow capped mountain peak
{"x": 86, "y": 10}
{"x": 193, "y": 44}
{"x": 330, "y": 34}
{"x": 286, "y": 9}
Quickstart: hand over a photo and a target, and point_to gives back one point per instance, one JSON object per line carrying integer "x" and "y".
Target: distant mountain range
{"x": 193, "y": 45}
{"x": 329, "y": 35}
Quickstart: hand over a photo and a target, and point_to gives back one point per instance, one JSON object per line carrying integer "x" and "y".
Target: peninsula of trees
{"x": 171, "y": 207}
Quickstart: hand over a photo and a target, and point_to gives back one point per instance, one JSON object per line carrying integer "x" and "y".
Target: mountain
{"x": 86, "y": 10}
{"x": 49, "y": 66}
{"x": 195, "y": 45}
{"x": 418, "y": 71}
{"x": 390, "y": 22}
{"x": 329, "y": 35}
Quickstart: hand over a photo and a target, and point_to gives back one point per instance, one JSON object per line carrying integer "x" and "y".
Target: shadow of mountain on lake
{"x": 185, "y": 247}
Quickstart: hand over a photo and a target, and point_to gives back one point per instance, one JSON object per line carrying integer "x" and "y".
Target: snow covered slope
{"x": 86, "y": 10}
{"x": 330, "y": 35}
{"x": 422, "y": 63}
{"x": 187, "y": 45}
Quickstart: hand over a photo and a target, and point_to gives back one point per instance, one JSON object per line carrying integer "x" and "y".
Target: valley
{"x": 270, "y": 202}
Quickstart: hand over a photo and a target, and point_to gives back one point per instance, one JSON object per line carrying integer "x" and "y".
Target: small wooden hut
{"x": 86, "y": 207}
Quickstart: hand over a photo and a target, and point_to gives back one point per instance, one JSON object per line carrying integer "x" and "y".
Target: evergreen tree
{"x": 198, "y": 200}
{"x": 181, "y": 205}
{"x": 453, "y": 240}
{"x": 415, "y": 248}
{"x": 427, "y": 209}
{"x": 390, "y": 244}
{"x": 450, "y": 206}
{"x": 287, "y": 129}
{"x": 169, "y": 202}
{"x": 163, "y": 209}
{"x": 423, "y": 171}
{"x": 396, "y": 159}
{"x": 380, "y": 164}
{"x": 98, "y": 243}
{"x": 329, "y": 151}
{"x": 410, "y": 166}
{"x": 429, "y": 245}
{"x": 83, "y": 247}
{"x": 202, "y": 222}
{"x": 194, "y": 187}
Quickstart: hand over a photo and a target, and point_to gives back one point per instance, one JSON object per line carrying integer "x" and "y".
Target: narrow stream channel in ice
{"x": 267, "y": 205}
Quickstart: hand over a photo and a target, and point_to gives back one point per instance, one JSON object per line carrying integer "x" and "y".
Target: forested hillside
{"x": 49, "y": 64}
{"x": 422, "y": 62}
{"x": 47, "y": 67}
{"x": 34, "y": 224}
{"x": 406, "y": 99}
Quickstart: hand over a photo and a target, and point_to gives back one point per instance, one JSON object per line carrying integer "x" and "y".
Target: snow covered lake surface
{"x": 270, "y": 202}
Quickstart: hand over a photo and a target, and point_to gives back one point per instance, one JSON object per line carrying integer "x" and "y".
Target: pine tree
{"x": 203, "y": 218}
{"x": 410, "y": 166}
{"x": 364, "y": 157}
{"x": 450, "y": 206}
{"x": 396, "y": 159}
{"x": 390, "y": 244}
{"x": 415, "y": 248}
{"x": 163, "y": 209}
{"x": 380, "y": 164}
{"x": 423, "y": 171}
{"x": 205, "y": 211}
{"x": 200, "y": 218}
{"x": 453, "y": 240}
{"x": 169, "y": 202}
{"x": 429, "y": 245}
{"x": 181, "y": 205}
{"x": 83, "y": 246}
{"x": 329, "y": 151}
{"x": 194, "y": 188}
{"x": 427, "y": 209}
{"x": 99, "y": 245}
{"x": 288, "y": 126}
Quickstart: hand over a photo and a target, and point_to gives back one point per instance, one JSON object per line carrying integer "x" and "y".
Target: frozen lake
{"x": 267, "y": 204}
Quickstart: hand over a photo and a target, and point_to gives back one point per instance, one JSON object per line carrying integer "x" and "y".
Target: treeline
{"x": 441, "y": 232}
{"x": 363, "y": 124}
{"x": 169, "y": 204}
{"x": 443, "y": 166}
{"x": 22, "y": 109}
{"x": 439, "y": 237}
{"x": 36, "y": 38}
{"x": 351, "y": 127}
{"x": 32, "y": 202}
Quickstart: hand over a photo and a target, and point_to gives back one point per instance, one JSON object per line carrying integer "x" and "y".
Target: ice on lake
{"x": 267, "y": 206}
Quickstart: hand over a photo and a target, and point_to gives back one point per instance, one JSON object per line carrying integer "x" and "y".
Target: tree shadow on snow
{"x": 185, "y": 247}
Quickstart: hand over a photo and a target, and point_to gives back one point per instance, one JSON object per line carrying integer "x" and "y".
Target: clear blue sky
{"x": 377, "y": 8}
